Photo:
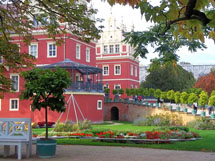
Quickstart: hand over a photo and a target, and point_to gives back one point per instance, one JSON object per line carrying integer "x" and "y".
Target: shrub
{"x": 172, "y": 128}
{"x": 202, "y": 124}
{"x": 158, "y": 120}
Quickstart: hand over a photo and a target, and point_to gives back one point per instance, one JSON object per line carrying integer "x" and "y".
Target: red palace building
{"x": 115, "y": 57}
{"x": 85, "y": 96}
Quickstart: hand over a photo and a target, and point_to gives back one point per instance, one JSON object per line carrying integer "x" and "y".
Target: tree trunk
{"x": 46, "y": 119}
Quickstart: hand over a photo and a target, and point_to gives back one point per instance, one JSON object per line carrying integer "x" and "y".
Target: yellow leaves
{"x": 200, "y": 4}
{"x": 201, "y": 37}
{"x": 124, "y": 2}
{"x": 212, "y": 35}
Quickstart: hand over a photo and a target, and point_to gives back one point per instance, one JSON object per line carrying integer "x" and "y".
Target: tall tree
{"x": 207, "y": 82}
{"x": 21, "y": 17}
{"x": 169, "y": 76}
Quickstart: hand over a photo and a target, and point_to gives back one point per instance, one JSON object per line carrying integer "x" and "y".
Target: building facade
{"x": 84, "y": 98}
{"x": 115, "y": 57}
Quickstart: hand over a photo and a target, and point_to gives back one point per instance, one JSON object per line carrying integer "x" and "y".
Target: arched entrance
{"x": 114, "y": 113}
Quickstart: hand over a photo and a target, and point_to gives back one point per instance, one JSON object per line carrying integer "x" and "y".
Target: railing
{"x": 86, "y": 87}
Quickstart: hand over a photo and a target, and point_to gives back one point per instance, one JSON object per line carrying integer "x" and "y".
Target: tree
{"x": 184, "y": 97}
{"x": 168, "y": 76}
{"x": 177, "y": 96}
{"x": 157, "y": 93}
{"x": 213, "y": 93}
{"x": 45, "y": 88}
{"x": 192, "y": 98}
{"x": 19, "y": 18}
{"x": 163, "y": 95}
{"x": 207, "y": 82}
{"x": 170, "y": 95}
{"x": 197, "y": 91}
{"x": 121, "y": 91}
{"x": 128, "y": 92}
{"x": 203, "y": 98}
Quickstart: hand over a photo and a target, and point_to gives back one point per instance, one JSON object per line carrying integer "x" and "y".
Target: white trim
{"x": 11, "y": 104}
{"x": 115, "y": 65}
{"x": 88, "y": 49}
{"x": 99, "y": 102}
{"x": 132, "y": 69}
{"x": 124, "y": 79}
{"x": 51, "y": 43}
{"x": 85, "y": 93}
{"x": 15, "y": 74}
{"x": 118, "y": 62}
{"x": 29, "y": 49}
{"x": 103, "y": 70}
{"x": 135, "y": 71}
{"x": 78, "y": 45}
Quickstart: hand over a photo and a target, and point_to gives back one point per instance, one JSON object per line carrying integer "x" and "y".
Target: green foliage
{"x": 158, "y": 120}
{"x": 203, "y": 98}
{"x": 121, "y": 91}
{"x": 145, "y": 92}
{"x": 163, "y": 95}
{"x": 197, "y": 91}
{"x": 114, "y": 91}
{"x": 128, "y": 91}
{"x": 172, "y": 128}
{"x": 211, "y": 101}
{"x": 45, "y": 88}
{"x": 203, "y": 123}
{"x": 168, "y": 76}
{"x": 157, "y": 93}
{"x": 107, "y": 90}
{"x": 72, "y": 127}
{"x": 192, "y": 98}
{"x": 184, "y": 97}
{"x": 151, "y": 91}
{"x": 177, "y": 96}
{"x": 170, "y": 95}
{"x": 213, "y": 93}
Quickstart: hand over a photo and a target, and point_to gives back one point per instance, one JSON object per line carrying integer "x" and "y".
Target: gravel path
{"x": 108, "y": 153}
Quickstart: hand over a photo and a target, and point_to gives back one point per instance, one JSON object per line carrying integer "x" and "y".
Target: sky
{"x": 132, "y": 16}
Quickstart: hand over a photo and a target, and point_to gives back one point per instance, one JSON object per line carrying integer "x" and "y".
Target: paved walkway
{"x": 108, "y": 153}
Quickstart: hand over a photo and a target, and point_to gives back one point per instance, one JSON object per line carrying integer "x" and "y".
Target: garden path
{"x": 108, "y": 153}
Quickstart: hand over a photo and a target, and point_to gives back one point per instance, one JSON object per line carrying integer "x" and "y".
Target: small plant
{"x": 107, "y": 90}
{"x": 121, "y": 91}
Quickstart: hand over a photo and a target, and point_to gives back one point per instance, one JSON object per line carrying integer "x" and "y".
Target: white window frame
{"x": 104, "y": 70}
{"x": 36, "y": 56}
{"x": 11, "y": 75}
{"x": 78, "y": 56}
{"x": 88, "y": 55}
{"x": 115, "y": 85}
{"x": 117, "y": 47}
{"x": 51, "y": 43}
{"x": 132, "y": 69}
{"x": 99, "y": 102}
{"x": 135, "y": 71}
{"x": 16, "y": 99}
{"x": 132, "y": 86}
{"x": 116, "y": 70}
{"x": 111, "y": 49}
{"x": 105, "y": 49}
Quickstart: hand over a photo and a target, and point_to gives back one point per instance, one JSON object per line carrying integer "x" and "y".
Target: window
{"x": 15, "y": 82}
{"x": 106, "y": 86}
{"x": 78, "y": 52}
{"x": 135, "y": 71}
{"x": 117, "y": 69}
{"x": 136, "y": 86}
{"x": 111, "y": 48}
{"x": 87, "y": 54}
{"x": 33, "y": 50}
{"x": 132, "y": 86}
{"x": 14, "y": 104}
{"x": 105, "y": 49}
{"x": 132, "y": 69}
{"x": 105, "y": 70}
{"x": 99, "y": 105}
{"x": 35, "y": 23}
{"x": 52, "y": 51}
{"x": 117, "y": 86}
{"x": 117, "y": 48}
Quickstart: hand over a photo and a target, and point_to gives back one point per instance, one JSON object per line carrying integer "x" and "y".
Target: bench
{"x": 16, "y": 132}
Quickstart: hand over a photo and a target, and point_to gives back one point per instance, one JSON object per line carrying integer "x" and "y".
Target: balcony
{"x": 86, "y": 87}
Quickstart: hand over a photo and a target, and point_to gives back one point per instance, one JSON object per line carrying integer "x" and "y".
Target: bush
{"x": 158, "y": 120}
{"x": 72, "y": 127}
{"x": 202, "y": 124}
{"x": 172, "y": 128}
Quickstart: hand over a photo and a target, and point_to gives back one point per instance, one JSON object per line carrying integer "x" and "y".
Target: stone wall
{"x": 130, "y": 112}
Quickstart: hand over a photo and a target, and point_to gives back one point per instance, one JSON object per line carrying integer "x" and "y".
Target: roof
{"x": 68, "y": 64}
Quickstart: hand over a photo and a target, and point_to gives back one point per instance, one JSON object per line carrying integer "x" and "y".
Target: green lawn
{"x": 206, "y": 144}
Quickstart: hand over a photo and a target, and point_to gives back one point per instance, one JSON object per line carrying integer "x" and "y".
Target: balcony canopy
{"x": 68, "y": 64}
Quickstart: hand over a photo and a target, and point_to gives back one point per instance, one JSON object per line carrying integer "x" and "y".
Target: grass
{"x": 206, "y": 144}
